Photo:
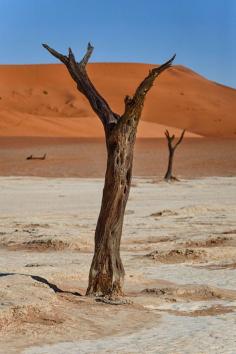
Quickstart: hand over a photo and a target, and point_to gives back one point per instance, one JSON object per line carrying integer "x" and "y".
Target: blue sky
{"x": 201, "y": 32}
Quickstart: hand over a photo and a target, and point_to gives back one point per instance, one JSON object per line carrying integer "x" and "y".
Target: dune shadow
{"x": 42, "y": 280}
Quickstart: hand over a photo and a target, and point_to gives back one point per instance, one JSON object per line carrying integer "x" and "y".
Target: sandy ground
{"x": 178, "y": 250}
{"x": 87, "y": 157}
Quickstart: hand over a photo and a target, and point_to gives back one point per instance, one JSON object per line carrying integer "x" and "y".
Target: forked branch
{"x": 79, "y": 74}
{"x": 171, "y": 138}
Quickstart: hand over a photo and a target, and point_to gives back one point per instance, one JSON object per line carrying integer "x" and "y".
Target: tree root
{"x": 172, "y": 179}
{"x": 113, "y": 301}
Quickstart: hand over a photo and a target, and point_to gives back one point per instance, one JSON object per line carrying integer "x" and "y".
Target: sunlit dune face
{"x": 42, "y": 100}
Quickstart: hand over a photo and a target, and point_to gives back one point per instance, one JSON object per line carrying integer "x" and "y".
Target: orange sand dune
{"x": 24, "y": 124}
{"x": 42, "y": 100}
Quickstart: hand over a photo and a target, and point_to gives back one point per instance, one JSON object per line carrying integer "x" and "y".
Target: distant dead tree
{"x": 31, "y": 157}
{"x": 107, "y": 272}
{"x": 172, "y": 147}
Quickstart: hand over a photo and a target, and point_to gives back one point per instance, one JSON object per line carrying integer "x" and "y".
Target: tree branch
{"x": 169, "y": 139}
{"x": 62, "y": 58}
{"x": 138, "y": 99}
{"x": 88, "y": 54}
{"x": 167, "y": 134}
{"x": 180, "y": 139}
{"x": 79, "y": 75}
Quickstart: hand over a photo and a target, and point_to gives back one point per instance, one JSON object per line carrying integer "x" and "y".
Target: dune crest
{"x": 42, "y": 100}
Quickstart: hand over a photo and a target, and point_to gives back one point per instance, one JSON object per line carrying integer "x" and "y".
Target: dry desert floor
{"x": 178, "y": 249}
{"x": 80, "y": 157}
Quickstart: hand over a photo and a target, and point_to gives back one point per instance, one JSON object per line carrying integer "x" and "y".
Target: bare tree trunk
{"x": 106, "y": 275}
{"x": 169, "y": 176}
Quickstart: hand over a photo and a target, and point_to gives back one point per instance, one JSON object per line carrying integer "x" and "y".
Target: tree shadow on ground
{"x": 54, "y": 287}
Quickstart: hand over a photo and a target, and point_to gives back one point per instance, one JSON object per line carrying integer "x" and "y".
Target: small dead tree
{"x": 107, "y": 272}
{"x": 172, "y": 147}
{"x": 31, "y": 157}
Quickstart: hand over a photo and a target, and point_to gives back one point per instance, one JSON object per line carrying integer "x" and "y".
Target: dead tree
{"x": 31, "y": 157}
{"x": 172, "y": 147}
{"x": 107, "y": 273}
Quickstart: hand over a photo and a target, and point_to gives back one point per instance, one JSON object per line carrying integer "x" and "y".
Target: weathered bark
{"x": 107, "y": 272}
{"x": 168, "y": 176}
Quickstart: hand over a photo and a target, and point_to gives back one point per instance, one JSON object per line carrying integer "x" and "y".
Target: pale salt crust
{"x": 174, "y": 335}
{"x": 160, "y": 217}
